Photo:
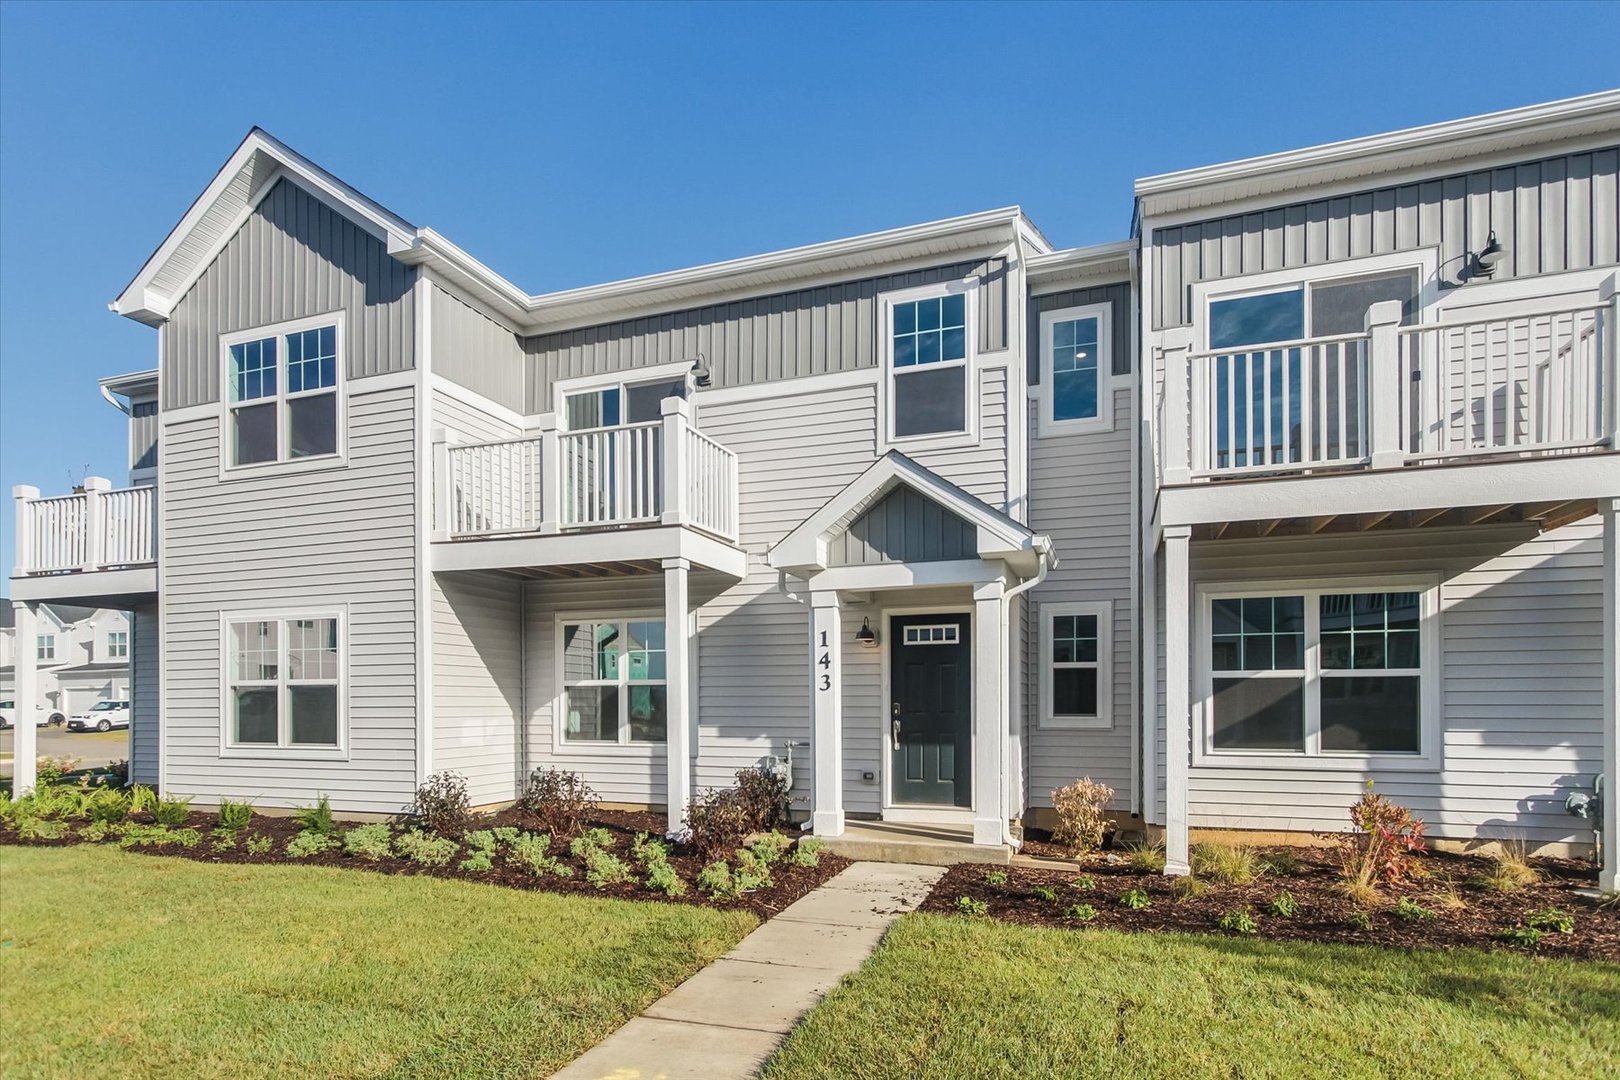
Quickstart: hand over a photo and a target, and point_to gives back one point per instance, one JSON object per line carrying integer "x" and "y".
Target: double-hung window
{"x": 1076, "y": 654}
{"x": 1076, "y": 346}
{"x": 282, "y": 392}
{"x": 283, "y": 682}
{"x": 929, "y": 339}
{"x": 45, "y": 647}
{"x": 1321, "y": 673}
{"x": 613, "y": 673}
{"x": 118, "y": 644}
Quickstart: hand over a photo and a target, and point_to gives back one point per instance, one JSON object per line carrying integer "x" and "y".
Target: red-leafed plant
{"x": 1381, "y": 849}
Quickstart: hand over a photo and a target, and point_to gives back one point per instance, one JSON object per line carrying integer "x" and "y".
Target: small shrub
{"x": 1283, "y": 905}
{"x": 1409, "y": 910}
{"x": 1509, "y": 871}
{"x": 1146, "y": 858}
{"x": 716, "y": 879}
{"x": 38, "y": 828}
{"x": 1526, "y": 937}
{"x": 1188, "y": 887}
{"x": 1083, "y": 882}
{"x": 590, "y": 840}
{"x": 603, "y": 869}
{"x": 969, "y": 905}
{"x": 141, "y": 798}
{"x": 1381, "y": 848}
{"x": 1231, "y": 863}
{"x": 1359, "y": 920}
{"x": 1361, "y": 893}
{"x": 662, "y": 878}
{"x": 235, "y": 815}
{"x": 770, "y": 847}
{"x": 49, "y": 770}
{"x": 997, "y": 878}
{"x": 442, "y": 805}
{"x": 1081, "y": 813}
{"x": 371, "y": 842}
{"x": 480, "y": 842}
{"x": 751, "y": 872}
{"x": 1238, "y": 922}
{"x": 425, "y": 848}
{"x": 117, "y": 772}
{"x": 506, "y": 834}
{"x": 1283, "y": 863}
{"x": 478, "y": 861}
{"x": 559, "y": 800}
{"x": 222, "y": 840}
{"x": 764, "y": 797}
{"x": 259, "y": 845}
{"x": 1083, "y": 912}
{"x": 1551, "y": 919}
{"x": 316, "y": 819}
{"x": 1448, "y": 896}
{"x": 1044, "y": 893}
{"x": 109, "y": 807}
{"x": 94, "y": 833}
{"x": 648, "y": 850}
{"x": 171, "y": 812}
{"x": 718, "y": 821}
{"x": 137, "y": 835}
{"x": 807, "y": 852}
{"x": 532, "y": 851}
{"x": 309, "y": 842}
{"x": 1136, "y": 900}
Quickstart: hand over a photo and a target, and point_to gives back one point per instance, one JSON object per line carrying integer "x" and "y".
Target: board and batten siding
{"x": 1080, "y": 496}
{"x": 143, "y": 435}
{"x": 1116, "y": 294}
{"x": 294, "y": 256}
{"x": 340, "y": 537}
{"x": 813, "y": 331}
{"x": 904, "y": 526}
{"x": 1520, "y": 695}
{"x": 478, "y": 682}
{"x": 473, "y": 350}
{"x": 144, "y": 713}
{"x": 1553, "y": 214}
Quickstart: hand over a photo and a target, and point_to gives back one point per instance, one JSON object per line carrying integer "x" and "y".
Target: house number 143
{"x": 824, "y": 662}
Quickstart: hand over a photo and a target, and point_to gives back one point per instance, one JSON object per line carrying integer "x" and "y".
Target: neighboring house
{"x": 81, "y": 654}
{"x": 1303, "y": 484}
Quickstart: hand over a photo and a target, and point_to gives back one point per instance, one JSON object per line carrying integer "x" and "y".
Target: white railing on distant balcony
{"x": 661, "y": 472}
{"x": 97, "y": 529}
{"x": 1513, "y": 385}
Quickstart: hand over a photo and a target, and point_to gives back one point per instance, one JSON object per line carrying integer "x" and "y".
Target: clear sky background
{"x": 570, "y": 145}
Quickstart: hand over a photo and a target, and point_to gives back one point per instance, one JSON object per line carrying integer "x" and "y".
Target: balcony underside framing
{"x": 611, "y": 553}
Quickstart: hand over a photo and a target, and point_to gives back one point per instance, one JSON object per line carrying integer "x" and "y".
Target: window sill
{"x": 635, "y": 749}
{"x": 944, "y": 440}
{"x": 286, "y": 753}
{"x": 1321, "y": 762}
{"x": 1076, "y": 723}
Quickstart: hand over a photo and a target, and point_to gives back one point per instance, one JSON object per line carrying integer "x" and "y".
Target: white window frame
{"x": 619, "y": 380}
{"x": 282, "y": 463}
{"x": 1048, "y": 424}
{"x": 1430, "y": 755}
{"x": 559, "y": 704}
{"x": 1104, "y": 718}
{"x": 970, "y": 365}
{"x": 283, "y": 748}
{"x": 118, "y": 644}
{"x": 44, "y": 647}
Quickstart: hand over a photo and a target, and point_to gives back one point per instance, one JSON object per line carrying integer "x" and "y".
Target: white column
{"x": 25, "y": 694}
{"x": 95, "y": 535}
{"x": 1609, "y": 293}
{"x": 1012, "y": 772}
{"x": 1384, "y": 379}
{"x": 678, "y": 690}
{"x": 22, "y": 495}
{"x": 551, "y": 475}
{"x": 1177, "y": 679}
{"x": 677, "y": 413}
{"x": 1609, "y": 874}
{"x": 989, "y": 713}
{"x": 826, "y": 713}
{"x": 443, "y": 493}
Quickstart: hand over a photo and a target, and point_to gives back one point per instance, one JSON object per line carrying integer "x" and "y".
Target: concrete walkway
{"x": 723, "y": 1022}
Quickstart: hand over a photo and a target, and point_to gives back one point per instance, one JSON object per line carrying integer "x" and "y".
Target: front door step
{"x": 923, "y": 845}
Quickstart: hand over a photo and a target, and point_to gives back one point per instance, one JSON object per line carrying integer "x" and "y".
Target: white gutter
{"x": 1048, "y": 559}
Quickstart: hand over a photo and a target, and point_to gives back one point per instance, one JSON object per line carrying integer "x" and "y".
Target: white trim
{"x": 1430, "y": 756}
{"x": 777, "y": 389}
{"x": 922, "y": 813}
{"x": 1103, "y": 610}
{"x": 441, "y": 385}
{"x": 906, "y": 575}
{"x": 624, "y": 747}
{"x": 281, "y": 616}
{"x": 382, "y": 381}
{"x": 969, "y": 364}
{"x": 340, "y": 390}
{"x": 1048, "y": 424}
{"x": 423, "y": 526}
{"x": 620, "y": 381}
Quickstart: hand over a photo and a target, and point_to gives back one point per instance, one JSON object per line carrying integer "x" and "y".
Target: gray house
{"x": 1311, "y": 480}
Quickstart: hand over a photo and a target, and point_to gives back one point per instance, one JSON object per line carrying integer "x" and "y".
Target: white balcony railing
{"x": 1395, "y": 395}
{"x": 603, "y": 478}
{"x": 97, "y": 529}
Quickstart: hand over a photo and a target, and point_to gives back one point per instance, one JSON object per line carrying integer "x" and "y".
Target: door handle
{"x": 894, "y": 726}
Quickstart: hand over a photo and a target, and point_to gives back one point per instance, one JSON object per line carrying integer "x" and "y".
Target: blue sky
{"x": 569, "y": 145}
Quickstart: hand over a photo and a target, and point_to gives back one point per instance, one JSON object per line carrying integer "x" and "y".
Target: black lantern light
{"x": 865, "y": 636}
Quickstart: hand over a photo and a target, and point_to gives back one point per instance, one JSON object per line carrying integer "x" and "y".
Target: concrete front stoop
{"x": 920, "y": 845}
{"x": 724, "y": 1022}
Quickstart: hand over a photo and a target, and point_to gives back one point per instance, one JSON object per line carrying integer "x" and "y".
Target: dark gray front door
{"x": 930, "y": 729}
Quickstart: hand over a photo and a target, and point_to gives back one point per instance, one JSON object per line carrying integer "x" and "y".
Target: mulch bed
{"x": 1324, "y": 914}
{"x": 790, "y": 882}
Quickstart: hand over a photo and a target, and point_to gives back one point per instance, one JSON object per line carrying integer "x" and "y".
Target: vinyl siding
{"x": 1080, "y": 496}
{"x": 1557, "y": 213}
{"x": 1521, "y": 684}
{"x": 904, "y": 526}
{"x": 478, "y": 682}
{"x": 143, "y": 435}
{"x": 811, "y": 331}
{"x": 1116, "y": 294}
{"x": 313, "y": 539}
{"x": 143, "y": 696}
{"x": 473, "y": 350}
{"x": 293, "y": 257}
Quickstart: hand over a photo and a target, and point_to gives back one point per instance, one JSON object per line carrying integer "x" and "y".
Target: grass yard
{"x": 947, "y": 996}
{"x": 114, "y": 963}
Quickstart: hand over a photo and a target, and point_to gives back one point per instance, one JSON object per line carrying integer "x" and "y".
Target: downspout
{"x": 1047, "y": 559}
{"x": 781, "y": 587}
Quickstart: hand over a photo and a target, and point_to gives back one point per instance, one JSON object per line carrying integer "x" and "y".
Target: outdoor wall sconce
{"x": 1483, "y": 264}
{"x": 865, "y": 636}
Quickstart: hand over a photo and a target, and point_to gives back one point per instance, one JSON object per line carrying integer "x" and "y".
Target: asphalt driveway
{"x": 90, "y": 747}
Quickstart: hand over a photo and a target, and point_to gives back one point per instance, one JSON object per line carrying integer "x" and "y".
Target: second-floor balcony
{"x": 99, "y": 541}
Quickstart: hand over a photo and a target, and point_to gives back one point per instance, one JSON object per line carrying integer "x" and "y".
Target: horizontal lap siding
{"x": 143, "y": 693}
{"x": 1521, "y": 684}
{"x": 345, "y": 536}
{"x": 1080, "y": 496}
{"x": 1558, "y": 213}
{"x": 478, "y": 682}
{"x": 293, "y": 257}
{"x": 813, "y": 331}
{"x": 475, "y": 351}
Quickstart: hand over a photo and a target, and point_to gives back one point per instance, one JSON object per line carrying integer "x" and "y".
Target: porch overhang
{"x": 117, "y": 589}
{"x": 602, "y": 550}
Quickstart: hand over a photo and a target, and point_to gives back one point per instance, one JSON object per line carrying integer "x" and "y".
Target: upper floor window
{"x": 283, "y": 682}
{"x": 282, "y": 392}
{"x": 928, "y": 348}
{"x": 1332, "y": 307}
{"x": 620, "y": 403}
{"x": 45, "y": 647}
{"x": 1076, "y": 344}
{"x": 613, "y": 675}
{"x": 118, "y": 644}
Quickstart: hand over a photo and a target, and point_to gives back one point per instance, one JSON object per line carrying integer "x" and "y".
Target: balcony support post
{"x": 1177, "y": 694}
{"x": 551, "y": 475}
{"x": 442, "y": 492}
{"x": 95, "y": 511}
{"x": 677, "y": 415}
{"x": 25, "y": 698}
{"x": 678, "y": 667}
{"x": 1384, "y": 379}
{"x": 826, "y": 715}
{"x": 1177, "y": 434}
{"x": 1610, "y": 359}
{"x": 23, "y": 494}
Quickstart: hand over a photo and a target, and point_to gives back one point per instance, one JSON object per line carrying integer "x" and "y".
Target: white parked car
{"x": 103, "y": 716}
{"x": 42, "y": 716}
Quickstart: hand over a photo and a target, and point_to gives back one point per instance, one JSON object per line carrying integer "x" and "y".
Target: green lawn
{"x": 958, "y": 997}
{"x": 120, "y": 964}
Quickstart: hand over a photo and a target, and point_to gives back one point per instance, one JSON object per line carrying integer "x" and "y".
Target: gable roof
{"x": 804, "y": 550}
